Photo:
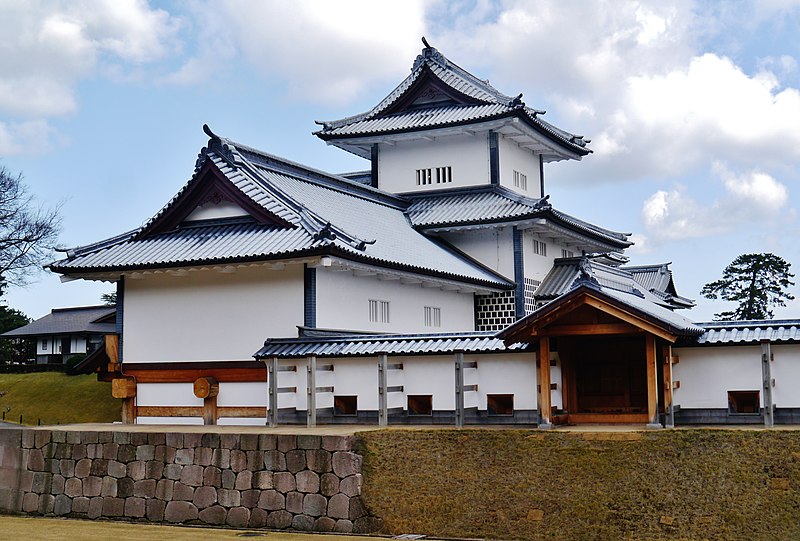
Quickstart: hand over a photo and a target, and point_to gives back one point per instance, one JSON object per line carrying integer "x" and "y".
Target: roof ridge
{"x": 91, "y": 307}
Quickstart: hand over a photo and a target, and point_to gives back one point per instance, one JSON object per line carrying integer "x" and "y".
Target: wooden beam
{"x": 197, "y": 411}
{"x": 205, "y": 387}
{"x": 625, "y": 418}
{"x": 652, "y": 386}
{"x": 590, "y": 329}
{"x": 544, "y": 383}
{"x": 669, "y": 414}
{"x": 123, "y": 387}
{"x": 633, "y": 320}
{"x": 112, "y": 348}
{"x": 178, "y": 375}
{"x": 129, "y": 411}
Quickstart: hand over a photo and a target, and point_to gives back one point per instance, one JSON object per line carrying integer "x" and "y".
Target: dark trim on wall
{"x": 519, "y": 274}
{"x": 374, "y": 164}
{"x": 494, "y": 159}
{"x": 309, "y": 296}
{"x": 472, "y": 416}
{"x": 541, "y": 174}
{"x": 120, "y": 312}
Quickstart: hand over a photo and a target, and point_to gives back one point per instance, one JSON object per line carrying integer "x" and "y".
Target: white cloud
{"x": 29, "y": 137}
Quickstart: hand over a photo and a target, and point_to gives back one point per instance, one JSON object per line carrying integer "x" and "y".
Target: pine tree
{"x": 758, "y": 282}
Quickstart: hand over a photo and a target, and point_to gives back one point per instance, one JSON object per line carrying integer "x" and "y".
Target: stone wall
{"x": 304, "y": 482}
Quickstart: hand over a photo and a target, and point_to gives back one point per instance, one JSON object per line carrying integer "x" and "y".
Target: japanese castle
{"x": 441, "y": 285}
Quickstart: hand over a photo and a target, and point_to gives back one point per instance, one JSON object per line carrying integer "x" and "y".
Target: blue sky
{"x": 693, "y": 108}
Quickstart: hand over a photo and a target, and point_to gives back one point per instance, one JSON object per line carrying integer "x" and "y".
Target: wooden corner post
{"x": 652, "y": 385}
{"x": 544, "y": 402}
{"x": 669, "y": 410}
{"x": 125, "y": 389}
{"x": 766, "y": 383}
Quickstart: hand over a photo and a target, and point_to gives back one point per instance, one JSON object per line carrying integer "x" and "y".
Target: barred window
{"x": 433, "y": 316}
{"x": 520, "y": 180}
{"x": 440, "y": 175}
{"x": 567, "y": 253}
{"x": 539, "y": 247}
{"x": 378, "y": 311}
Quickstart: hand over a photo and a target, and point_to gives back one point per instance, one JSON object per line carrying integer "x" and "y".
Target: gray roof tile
{"x": 750, "y": 332}
{"x": 78, "y": 320}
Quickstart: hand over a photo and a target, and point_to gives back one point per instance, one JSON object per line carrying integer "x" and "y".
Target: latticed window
{"x": 378, "y": 311}
{"x": 567, "y": 253}
{"x": 520, "y": 180}
{"x": 433, "y": 316}
{"x": 539, "y": 247}
{"x": 440, "y": 175}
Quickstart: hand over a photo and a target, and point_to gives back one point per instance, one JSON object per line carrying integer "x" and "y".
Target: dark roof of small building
{"x": 360, "y": 345}
{"x": 750, "y": 331}
{"x": 472, "y": 100}
{"x": 77, "y": 320}
{"x": 658, "y": 280}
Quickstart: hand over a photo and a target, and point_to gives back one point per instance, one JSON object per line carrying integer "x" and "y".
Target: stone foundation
{"x": 304, "y": 482}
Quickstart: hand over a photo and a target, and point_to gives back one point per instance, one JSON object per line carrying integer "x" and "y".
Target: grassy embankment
{"x": 57, "y": 399}
{"x": 517, "y": 484}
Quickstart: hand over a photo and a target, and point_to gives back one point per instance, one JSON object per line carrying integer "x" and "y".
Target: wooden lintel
{"x": 590, "y": 329}
{"x": 590, "y": 418}
{"x": 629, "y": 318}
{"x": 189, "y": 376}
{"x": 197, "y": 411}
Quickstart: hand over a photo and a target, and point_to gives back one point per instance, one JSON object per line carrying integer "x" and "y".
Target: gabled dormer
{"x": 443, "y": 127}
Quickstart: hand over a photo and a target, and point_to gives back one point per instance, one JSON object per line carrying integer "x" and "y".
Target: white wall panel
{"x": 169, "y": 420}
{"x": 708, "y": 373}
{"x": 786, "y": 373}
{"x": 166, "y": 394}
{"x": 515, "y": 158}
{"x": 243, "y": 394}
{"x": 492, "y": 247}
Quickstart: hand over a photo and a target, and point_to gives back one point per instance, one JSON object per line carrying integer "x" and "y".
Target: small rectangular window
{"x": 567, "y": 253}
{"x": 44, "y": 345}
{"x": 444, "y": 175}
{"x": 378, "y": 311}
{"x": 424, "y": 176}
{"x": 500, "y": 404}
{"x": 441, "y": 175}
{"x": 420, "y": 404}
{"x": 345, "y": 405}
{"x": 539, "y": 247}
{"x": 520, "y": 181}
{"x": 744, "y": 402}
{"x": 433, "y": 316}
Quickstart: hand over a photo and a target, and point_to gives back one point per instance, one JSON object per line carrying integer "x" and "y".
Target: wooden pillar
{"x": 311, "y": 391}
{"x": 125, "y": 389}
{"x": 207, "y": 388}
{"x": 766, "y": 383}
{"x": 652, "y": 385}
{"x": 383, "y": 384}
{"x": 112, "y": 351}
{"x": 272, "y": 381}
{"x": 544, "y": 383}
{"x": 459, "y": 389}
{"x": 669, "y": 411}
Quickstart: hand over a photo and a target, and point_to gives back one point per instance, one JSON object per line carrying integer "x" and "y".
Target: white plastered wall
{"x": 708, "y": 373}
{"x": 786, "y": 373}
{"x": 468, "y": 155}
{"x": 512, "y": 158}
{"x": 492, "y": 247}
{"x": 211, "y": 211}
{"x": 537, "y": 266}
{"x": 208, "y": 315}
{"x": 167, "y": 394}
{"x": 343, "y": 303}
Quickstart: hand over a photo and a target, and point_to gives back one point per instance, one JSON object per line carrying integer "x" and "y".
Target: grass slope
{"x": 57, "y": 399}
{"x": 517, "y": 484}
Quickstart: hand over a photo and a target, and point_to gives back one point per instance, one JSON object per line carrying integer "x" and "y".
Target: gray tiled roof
{"x": 750, "y": 332}
{"x": 76, "y": 320}
{"x": 366, "y": 225}
{"x": 487, "y": 103}
{"x": 392, "y": 344}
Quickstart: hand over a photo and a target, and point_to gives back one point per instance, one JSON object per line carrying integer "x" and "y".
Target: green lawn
{"x": 55, "y": 398}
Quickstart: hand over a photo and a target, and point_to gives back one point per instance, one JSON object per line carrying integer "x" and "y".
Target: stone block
{"x": 99, "y": 467}
{"x": 58, "y": 485}
{"x": 126, "y": 453}
{"x": 174, "y": 439}
{"x": 238, "y": 460}
{"x": 192, "y": 476}
{"x": 258, "y": 518}
{"x": 109, "y": 487}
{"x": 229, "y": 441}
{"x": 339, "y": 506}
{"x": 343, "y": 526}
{"x": 73, "y": 437}
{"x": 89, "y": 437}
{"x": 146, "y": 488}
{"x": 52, "y": 465}
{"x": 204, "y": 497}
{"x": 184, "y": 456}
{"x": 80, "y": 505}
{"x": 62, "y": 450}
{"x": 248, "y": 442}
{"x": 315, "y": 505}
{"x": 351, "y": 485}
{"x": 210, "y": 441}
{"x": 25, "y": 480}
{"x": 272, "y": 500}
{"x": 267, "y": 442}
{"x": 59, "y": 436}
{"x": 135, "y": 507}
{"x": 192, "y": 440}
{"x": 110, "y": 451}
{"x": 329, "y": 484}
{"x": 73, "y": 487}
{"x": 203, "y": 456}
{"x": 160, "y": 454}
{"x": 113, "y": 507}
{"x": 30, "y": 502}
{"x": 94, "y": 450}
{"x": 228, "y": 479}
{"x": 178, "y": 512}
{"x": 83, "y": 468}
{"x": 284, "y": 482}
{"x": 306, "y": 441}
{"x": 357, "y": 509}
{"x": 324, "y": 524}
{"x": 153, "y": 469}
{"x": 67, "y": 467}
{"x": 214, "y": 515}
{"x": 117, "y": 469}
{"x": 303, "y": 523}
{"x": 346, "y": 463}
{"x": 35, "y": 460}
{"x": 92, "y": 486}
{"x": 79, "y": 451}
{"x": 318, "y": 460}
{"x": 212, "y": 477}
{"x": 156, "y": 438}
{"x": 229, "y": 498}
{"x": 367, "y": 525}
{"x": 41, "y": 438}
{"x": 296, "y": 460}
{"x": 263, "y": 480}
{"x": 294, "y": 502}
{"x": 155, "y": 510}
{"x": 307, "y": 481}
{"x": 164, "y": 489}
{"x": 172, "y": 471}
{"x": 244, "y": 480}
{"x": 137, "y": 470}
{"x": 221, "y": 458}
{"x": 286, "y": 442}
{"x": 182, "y": 492}
{"x": 122, "y": 438}
{"x": 337, "y": 443}
{"x": 125, "y": 487}
{"x": 238, "y": 517}
{"x": 279, "y": 520}
{"x": 28, "y": 439}
{"x": 95, "y": 507}
{"x": 274, "y": 461}
{"x": 46, "y": 504}
{"x": 250, "y": 498}
{"x": 138, "y": 438}
{"x": 145, "y": 452}
{"x": 255, "y": 460}
{"x": 42, "y": 482}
